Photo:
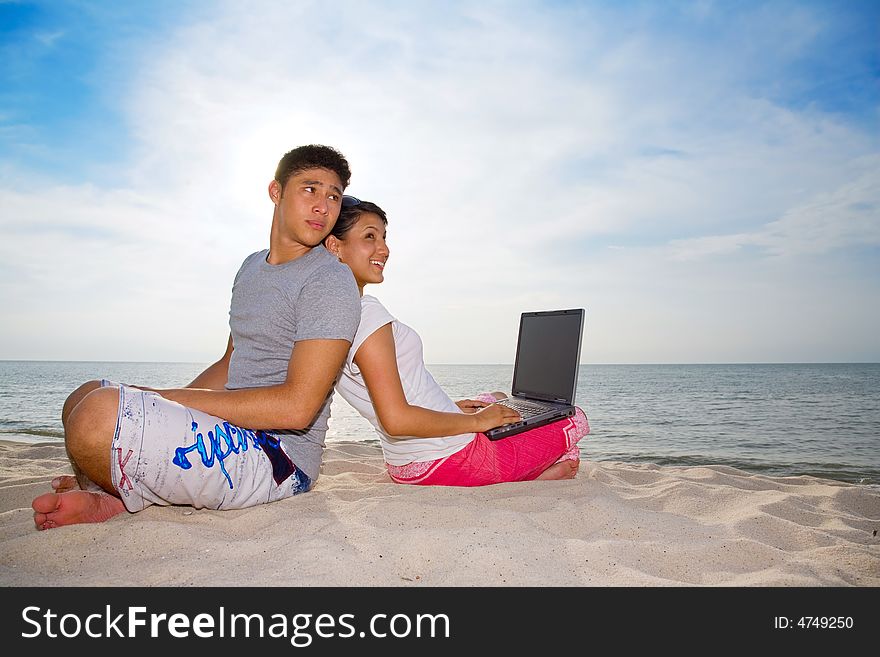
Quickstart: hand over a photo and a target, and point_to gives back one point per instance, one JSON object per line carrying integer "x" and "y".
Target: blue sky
{"x": 702, "y": 177}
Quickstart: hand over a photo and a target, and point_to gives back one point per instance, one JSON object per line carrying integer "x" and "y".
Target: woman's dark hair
{"x": 313, "y": 156}
{"x": 349, "y": 216}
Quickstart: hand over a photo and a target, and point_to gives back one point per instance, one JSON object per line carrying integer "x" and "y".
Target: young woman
{"x": 426, "y": 437}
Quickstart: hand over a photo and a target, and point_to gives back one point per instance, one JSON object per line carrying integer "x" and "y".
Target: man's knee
{"x": 76, "y": 397}
{"x": 92, "y": 422}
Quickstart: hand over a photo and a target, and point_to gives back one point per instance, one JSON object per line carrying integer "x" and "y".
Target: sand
{"x": 616, "y": 524}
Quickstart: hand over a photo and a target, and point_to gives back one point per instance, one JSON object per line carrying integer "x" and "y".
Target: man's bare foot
{"x": 562, "y": 470}
{"x": 64, "y": 483}
{"x": 73, "y": 507}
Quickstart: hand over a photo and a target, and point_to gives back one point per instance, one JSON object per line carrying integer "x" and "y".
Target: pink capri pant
{"x": 521, "y": 457}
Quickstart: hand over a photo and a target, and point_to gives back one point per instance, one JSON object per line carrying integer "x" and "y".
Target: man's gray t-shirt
{"x": 273, "y": 307}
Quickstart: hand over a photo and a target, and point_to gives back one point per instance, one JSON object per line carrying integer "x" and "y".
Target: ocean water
{"x": 776, "y": 419}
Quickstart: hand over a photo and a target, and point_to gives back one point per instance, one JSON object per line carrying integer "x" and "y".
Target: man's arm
{"x": 216, "y": 375}
{"x": 294, "y": 404}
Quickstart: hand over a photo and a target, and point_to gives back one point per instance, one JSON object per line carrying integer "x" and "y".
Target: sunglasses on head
{"x": 350, "y": 201}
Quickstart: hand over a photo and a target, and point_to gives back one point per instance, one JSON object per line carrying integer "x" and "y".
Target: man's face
{"x": 309, "y": 205}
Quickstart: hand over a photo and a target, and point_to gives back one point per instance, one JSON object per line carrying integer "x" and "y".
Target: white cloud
{"x": 505, "y": 143}
{"x": 844, "y": 217}
{"x": 48, "y": 39}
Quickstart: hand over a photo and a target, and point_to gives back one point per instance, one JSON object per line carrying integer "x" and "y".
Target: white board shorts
{"x": 165, "y": 453}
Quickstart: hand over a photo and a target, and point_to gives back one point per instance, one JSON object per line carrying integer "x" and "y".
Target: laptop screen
{"x": 547, "y": 355}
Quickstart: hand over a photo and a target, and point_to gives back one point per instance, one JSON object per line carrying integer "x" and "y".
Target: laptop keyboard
{"x": 525, "y": 408}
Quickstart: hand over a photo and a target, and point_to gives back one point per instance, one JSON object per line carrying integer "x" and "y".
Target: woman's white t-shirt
{"x": 419, "y": 387}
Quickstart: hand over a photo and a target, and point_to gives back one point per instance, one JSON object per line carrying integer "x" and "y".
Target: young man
{"x": 294, "y": 311}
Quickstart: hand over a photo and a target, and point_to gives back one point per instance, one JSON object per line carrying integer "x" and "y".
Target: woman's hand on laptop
{"x": 470, "y": 405}
{"x": 495, "y": 415}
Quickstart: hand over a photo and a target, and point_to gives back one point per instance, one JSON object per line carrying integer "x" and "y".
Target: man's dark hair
{"x": 313, "y": 156}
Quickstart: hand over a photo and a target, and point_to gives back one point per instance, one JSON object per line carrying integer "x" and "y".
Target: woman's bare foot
{"x": 64, "y": 483}
{"x": 73, "y": 507}
{"x": 562, "y": 470}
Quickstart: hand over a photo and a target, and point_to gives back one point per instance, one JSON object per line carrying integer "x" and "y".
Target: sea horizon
{"x": 778, "y": 419}
{"x": 581, "y": 364}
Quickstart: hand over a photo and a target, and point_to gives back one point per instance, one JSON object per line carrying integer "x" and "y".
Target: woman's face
{"x": 364, "y": 250}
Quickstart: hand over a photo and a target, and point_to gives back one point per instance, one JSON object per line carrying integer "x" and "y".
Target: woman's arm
{"x": 377, "y": 360}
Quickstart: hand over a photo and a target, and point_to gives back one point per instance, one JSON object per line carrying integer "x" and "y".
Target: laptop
{"x": 545, "y": 373}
